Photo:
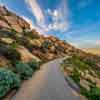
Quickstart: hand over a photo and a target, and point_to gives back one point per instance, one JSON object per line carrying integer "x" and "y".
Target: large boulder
{"x": 26, "y": 56}
{"x": 90, "y": 77}
{"x": 13, "y": 22}
{"x": 36, "y": 42}
{"x": 3, "y": 11}
{"x": 85, "y": 84}
{"x": 50, "y": 56}
{"x": 52, "y": 49}
{"x": 97, "y": 82}
{"x": 7, "y": 40}
{"x": 23, "y": 23}
{"x": 3, "y": 24}
{"x": 3, "y": 61}
{"x": 17, "y": 28}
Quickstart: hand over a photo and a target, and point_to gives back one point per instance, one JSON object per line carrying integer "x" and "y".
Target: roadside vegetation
{"x": 12, "y": 76}
{"x": 16, "y": 71}
{"x": 84, "y": 74}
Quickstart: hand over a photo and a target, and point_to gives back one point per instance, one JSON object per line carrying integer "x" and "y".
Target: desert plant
{"x": 24, "y": 41}
{"x": 8, "y": 81}
{"x": 34, "y": 64}
{"x": 13, "y": 55}
{"x": 31, "y": 34}
{"x": 13, "y": 30}
{"x": 14, "y": 45}
{"x": 92, "y": 94}
{"x": 24, "y": 70}
{"x": 76, "y": 76}
{"x": 9, "y": 52}
{"x": 46, "y": 45}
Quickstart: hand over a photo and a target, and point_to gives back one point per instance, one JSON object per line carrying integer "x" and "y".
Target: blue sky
{"x": 76, "y": 21}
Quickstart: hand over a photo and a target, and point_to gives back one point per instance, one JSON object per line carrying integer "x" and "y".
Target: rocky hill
{"x": 15, "y": 32}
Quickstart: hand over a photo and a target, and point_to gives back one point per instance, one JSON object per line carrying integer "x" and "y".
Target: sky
{"x": 76, "y": 21}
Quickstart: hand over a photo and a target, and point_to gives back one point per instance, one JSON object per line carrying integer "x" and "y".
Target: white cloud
{"x": 59, "y": 22}
{"x": 58, "y": 15}
{"x": 58, "y": 26}
{"x": 33, "y": 26}
{"x": 36, "y": 10}
{"x": 59, "y": 18}
{"x": 55, "y": 13}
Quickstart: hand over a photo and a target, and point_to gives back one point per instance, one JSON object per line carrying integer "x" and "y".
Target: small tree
{"x": 46, "y": 45}
{"x": 76, "y": 76}
{"x": 34, "y": 64}
{"x": 24, "y": 70}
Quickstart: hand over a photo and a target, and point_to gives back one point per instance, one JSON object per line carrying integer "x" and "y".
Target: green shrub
{"x": 65, "y": 64}
{"x": 9, "y": 52}
{"x": 34, "y": 64}
{"x": 46, "y": 44}
{"x": 14, "y": 45}
{"x": 93, "y": 94}
{"x": 13, "y": 31}
{"x": 31, "y": 35}
{"x": 13, "y": 55}
{"x": 80, "y": 63}
{"x": 24, "y": 70}
{"x": 24, "y": 41}
{"x": 76, "y": 76}
{"x": 8, "y": 81}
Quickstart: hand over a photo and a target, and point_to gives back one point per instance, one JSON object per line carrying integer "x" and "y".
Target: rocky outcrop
{"x": 85, "y": 84}
{"x": 7, "y": 40}
{"x": 3, "y": 11}
{"x": 3, "y": 61}
{"x": 36, "y": 42}
{"x": 19, "y": 30}
{"x": 12, "y": 21}
{"x": 26, "y": 56}
{"x": 3, "y": 24}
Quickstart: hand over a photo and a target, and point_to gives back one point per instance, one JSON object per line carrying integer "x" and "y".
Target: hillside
{"x": 16, "y": 33}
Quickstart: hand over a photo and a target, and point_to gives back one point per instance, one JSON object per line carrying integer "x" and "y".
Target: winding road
{"x": 47, "y": 84}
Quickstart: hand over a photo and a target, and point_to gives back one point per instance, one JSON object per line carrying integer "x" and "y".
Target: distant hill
{"x": 93, "y": 50}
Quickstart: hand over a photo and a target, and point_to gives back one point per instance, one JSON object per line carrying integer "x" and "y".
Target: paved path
{"x": 47, "y": 84}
